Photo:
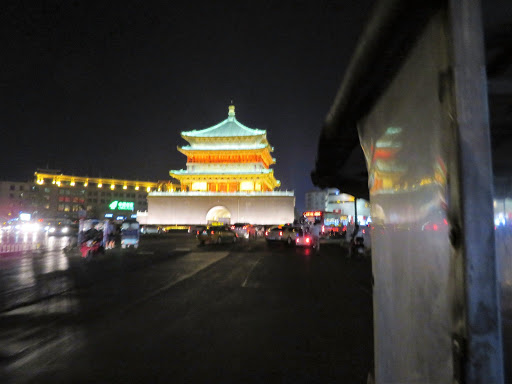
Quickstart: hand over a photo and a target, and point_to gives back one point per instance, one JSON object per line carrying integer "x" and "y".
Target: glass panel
{"x": 412, "y": 258}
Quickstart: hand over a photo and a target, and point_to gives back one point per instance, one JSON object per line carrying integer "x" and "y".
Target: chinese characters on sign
{"x": 122, "y": 205}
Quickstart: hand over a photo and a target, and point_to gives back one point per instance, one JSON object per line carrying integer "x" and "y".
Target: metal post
{"x": 355, "y": 210}
{"x": 483, "y": 360}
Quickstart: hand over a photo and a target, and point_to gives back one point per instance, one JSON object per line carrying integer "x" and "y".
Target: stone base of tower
{"x": 186, "y": 208}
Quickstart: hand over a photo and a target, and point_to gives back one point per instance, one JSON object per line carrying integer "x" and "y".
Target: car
{"x": 244, "y": 230}
{"x": 285, "y": 233}
{"x": 150, "y": 229}
{"x": 60, "y": 227}
{"x": 217, "y": 235}
{"x": 193, "y": 229}
{"x": 304, "y": 239}
{"x": 196, "y": 229}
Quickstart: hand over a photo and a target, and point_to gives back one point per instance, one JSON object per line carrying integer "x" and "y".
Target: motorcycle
{"x": 357, "y": 247}
{"x": 91, "y": 248}
{"x": 91, "y": 238}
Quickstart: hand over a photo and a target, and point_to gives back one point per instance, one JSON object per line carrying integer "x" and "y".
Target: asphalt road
{"x": 176, "y": 312}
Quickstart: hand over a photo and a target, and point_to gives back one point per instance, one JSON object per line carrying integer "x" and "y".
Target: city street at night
{"x": 174, "y": 311}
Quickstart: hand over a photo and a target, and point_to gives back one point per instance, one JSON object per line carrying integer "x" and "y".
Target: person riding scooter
{"x": 92, "y": 242}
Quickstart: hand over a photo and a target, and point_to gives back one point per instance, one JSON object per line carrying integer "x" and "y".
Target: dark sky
{"x": 105, "y": 88}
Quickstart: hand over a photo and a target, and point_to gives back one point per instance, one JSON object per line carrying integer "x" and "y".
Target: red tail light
{"x": 197, "y": 232}
{"x": 266, "y": 233}
{"x": 211, "y": 232}
{"x": 307, "y": 240}
{"x": 232, "y": 227}
{"x": 280, "y": 233}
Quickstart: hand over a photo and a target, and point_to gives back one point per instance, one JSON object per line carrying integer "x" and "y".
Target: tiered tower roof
{"x": 227, "y": 153}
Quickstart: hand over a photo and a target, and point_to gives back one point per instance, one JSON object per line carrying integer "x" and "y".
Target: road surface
{"x": 172, "y": 311}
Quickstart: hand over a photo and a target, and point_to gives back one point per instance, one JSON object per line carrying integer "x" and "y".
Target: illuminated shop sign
{"x": 122, "y": 205}
{"x": 313, "y": 213}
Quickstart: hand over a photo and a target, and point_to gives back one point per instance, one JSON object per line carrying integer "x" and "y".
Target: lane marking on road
{"x": 183, "y": 249}
{"x": 145, "y": 253}
{"x": 198, "y": 261}
{"x": 244, "y": 284}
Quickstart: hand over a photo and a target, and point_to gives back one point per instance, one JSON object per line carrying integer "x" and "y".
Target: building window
{"x": 21, "y": 187}
{"x": 12, "y": 187}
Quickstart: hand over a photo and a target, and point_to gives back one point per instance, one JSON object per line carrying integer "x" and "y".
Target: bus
{"x": 333, "y": 223}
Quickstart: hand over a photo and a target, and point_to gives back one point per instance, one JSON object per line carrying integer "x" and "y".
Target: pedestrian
{"x": 315, "y": 231}
{"x": 111, "y": 235}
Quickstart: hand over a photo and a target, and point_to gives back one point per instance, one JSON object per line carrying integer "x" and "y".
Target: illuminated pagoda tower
{"x": 228, "y": 157}
{"x": 228, "y": 180}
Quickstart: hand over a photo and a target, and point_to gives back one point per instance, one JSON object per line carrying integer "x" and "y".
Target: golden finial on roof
{"x": 231, "y": 110}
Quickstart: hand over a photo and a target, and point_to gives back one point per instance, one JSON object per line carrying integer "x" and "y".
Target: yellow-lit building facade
{"x": 54, "y": 194}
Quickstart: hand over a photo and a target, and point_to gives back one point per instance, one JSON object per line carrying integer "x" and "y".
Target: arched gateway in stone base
{"x": 218, "y": 214}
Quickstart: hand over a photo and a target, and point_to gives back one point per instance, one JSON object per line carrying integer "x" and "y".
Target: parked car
{"x": 284, "y": 233}
{"x": 217, "y": 235}
{"x": 244, "y": 230}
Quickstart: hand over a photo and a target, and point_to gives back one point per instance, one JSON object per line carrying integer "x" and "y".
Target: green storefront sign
{"x": 121, "y": 205}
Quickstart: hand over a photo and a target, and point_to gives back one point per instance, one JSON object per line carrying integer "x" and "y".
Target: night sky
{"x": 105, "y": 88}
